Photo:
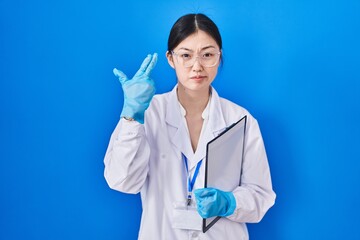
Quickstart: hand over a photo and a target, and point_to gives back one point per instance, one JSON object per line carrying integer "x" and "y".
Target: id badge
{"x": 186, "y": 217}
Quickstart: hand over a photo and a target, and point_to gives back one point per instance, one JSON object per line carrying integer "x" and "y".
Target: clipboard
{"x": 223, "y": 162}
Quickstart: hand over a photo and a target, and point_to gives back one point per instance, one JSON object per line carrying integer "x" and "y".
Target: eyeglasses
{"x": 207, "y": 58}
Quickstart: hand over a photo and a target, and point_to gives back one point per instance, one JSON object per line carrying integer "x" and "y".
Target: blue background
{"x": 294, "y": 64}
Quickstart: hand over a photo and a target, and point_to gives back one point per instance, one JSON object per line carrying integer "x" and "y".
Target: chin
{"x": 197, "y": 86}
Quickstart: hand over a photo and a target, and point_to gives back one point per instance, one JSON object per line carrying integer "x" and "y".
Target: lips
{"x": 198, "y": 77}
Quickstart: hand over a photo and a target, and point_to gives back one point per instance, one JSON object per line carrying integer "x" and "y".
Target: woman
{"x": 159, "y": 152}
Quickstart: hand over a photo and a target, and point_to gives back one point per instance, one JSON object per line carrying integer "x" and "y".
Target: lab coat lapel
{"x": 178, "y": 134}
{"x": 216, "y": 124}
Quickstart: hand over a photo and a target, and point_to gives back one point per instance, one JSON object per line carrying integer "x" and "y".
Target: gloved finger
{"x": 143, "y": 66}
{"x": 202, "y": 213}
{"x": 203, "y": 207}
{"x": 152, "y": 64}
{"x": 204, "y": 192}
{"x": 122, "y": 77}
{"x": 198, "y": 193}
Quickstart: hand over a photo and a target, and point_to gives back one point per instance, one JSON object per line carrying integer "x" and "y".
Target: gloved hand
{"x": 139, "y": 90}
{"x": 213, "y": 202}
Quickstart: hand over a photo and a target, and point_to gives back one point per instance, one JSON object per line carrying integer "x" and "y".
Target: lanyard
{"x": 191, "y": 182}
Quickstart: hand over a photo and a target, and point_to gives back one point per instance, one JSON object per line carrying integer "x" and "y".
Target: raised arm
{"x": 127, "y": 156}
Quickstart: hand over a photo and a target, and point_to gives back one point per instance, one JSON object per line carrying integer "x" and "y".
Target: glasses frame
{"x": 197, "y": 58}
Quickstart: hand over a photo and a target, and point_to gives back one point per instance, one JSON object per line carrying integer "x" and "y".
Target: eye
{"x": 186, "y": 56}
{"x": 208, "y": 55}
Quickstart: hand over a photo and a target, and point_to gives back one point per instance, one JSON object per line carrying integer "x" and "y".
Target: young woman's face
{"x": 199, "y": 75}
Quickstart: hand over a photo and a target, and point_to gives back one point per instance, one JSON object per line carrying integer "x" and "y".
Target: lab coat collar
{"x": 179, "y": 135}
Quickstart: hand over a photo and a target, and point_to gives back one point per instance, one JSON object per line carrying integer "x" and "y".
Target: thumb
{"x": 122, "y": 77}
{"x": 200, "y": 193}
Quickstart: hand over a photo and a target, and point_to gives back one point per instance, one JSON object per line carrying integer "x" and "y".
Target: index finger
{"x": 144, "y": 66}
{"x": 152, "y": 64}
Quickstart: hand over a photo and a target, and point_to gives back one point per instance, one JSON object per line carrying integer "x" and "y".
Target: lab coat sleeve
{"x": 255, "y": 195}
{"x": 127, "y": 156}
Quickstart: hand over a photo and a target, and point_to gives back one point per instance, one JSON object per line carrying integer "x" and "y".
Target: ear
{"x": 170, "y": 59}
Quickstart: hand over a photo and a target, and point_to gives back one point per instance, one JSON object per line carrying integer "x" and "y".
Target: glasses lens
{"x": 207, "y": 58}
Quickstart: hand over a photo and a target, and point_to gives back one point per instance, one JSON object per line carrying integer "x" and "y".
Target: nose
{"x": 197, "y": 67}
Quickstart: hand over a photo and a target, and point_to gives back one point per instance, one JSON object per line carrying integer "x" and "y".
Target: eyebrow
{"x": 190, "y": 50}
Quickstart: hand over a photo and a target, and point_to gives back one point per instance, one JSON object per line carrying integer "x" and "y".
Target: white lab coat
{"x": 147, "y": 159}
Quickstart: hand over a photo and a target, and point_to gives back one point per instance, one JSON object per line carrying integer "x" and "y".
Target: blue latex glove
{"x": 213, "y": 202}
{"x": 139, "y": 90}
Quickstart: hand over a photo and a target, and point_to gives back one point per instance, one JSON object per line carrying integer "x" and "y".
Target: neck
{"x": 194, "y": 102}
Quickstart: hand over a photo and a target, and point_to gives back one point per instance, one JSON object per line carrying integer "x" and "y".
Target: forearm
{"x": 255, "y": 195}
{"x": 252, "y": 202}
{"x": 127, "y": 156}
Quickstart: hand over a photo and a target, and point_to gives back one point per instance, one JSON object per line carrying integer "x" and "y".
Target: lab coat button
{"x": 195, "y": 235}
